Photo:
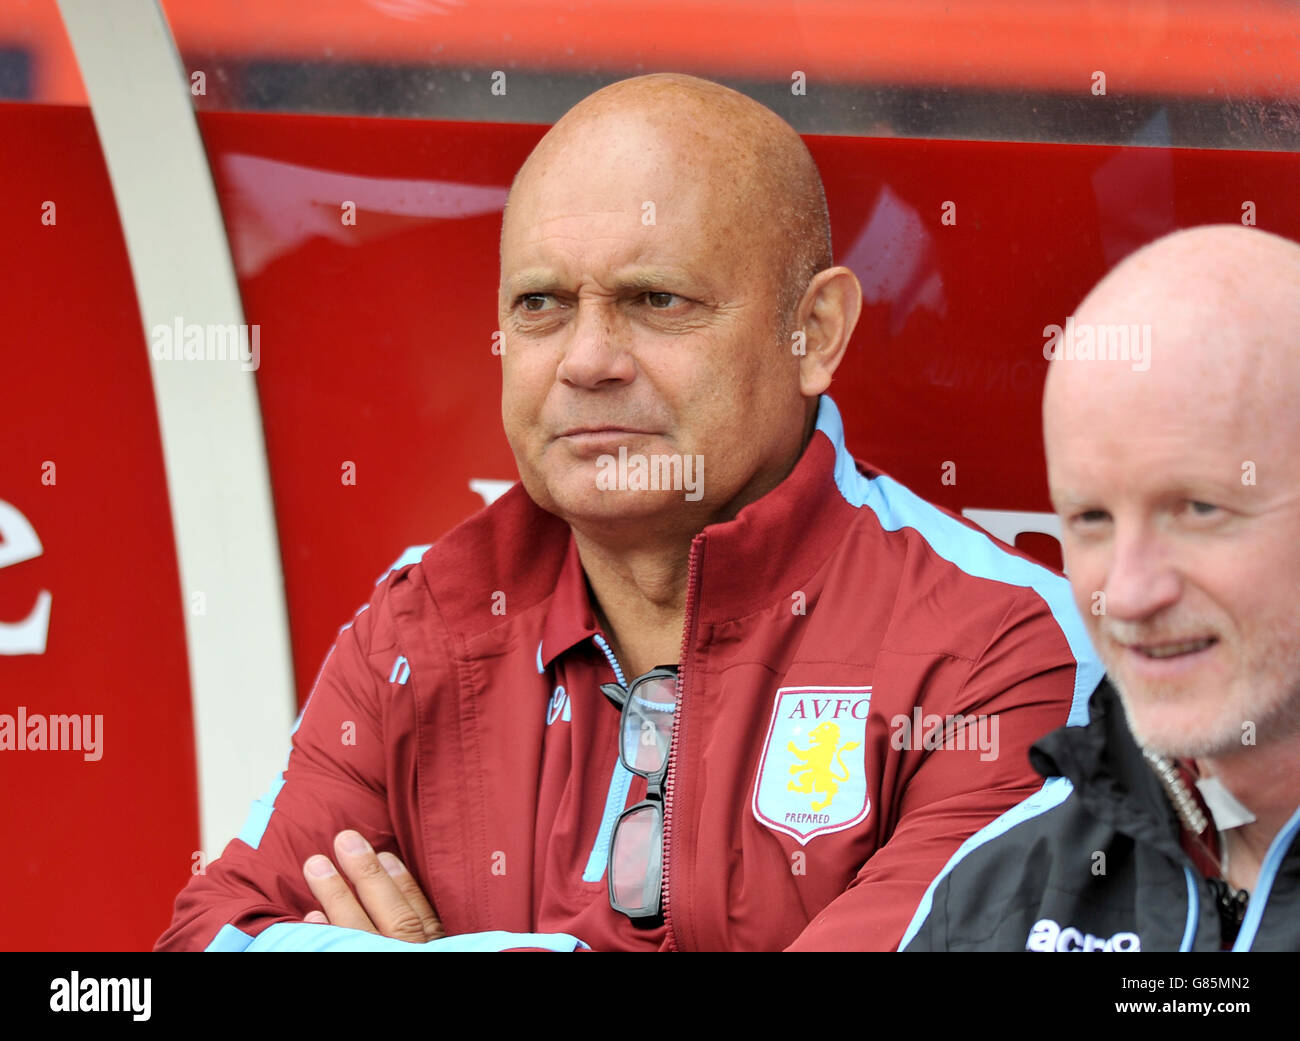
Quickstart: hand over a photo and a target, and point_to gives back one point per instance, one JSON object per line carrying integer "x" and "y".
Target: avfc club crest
{"x": 811, "y": 779}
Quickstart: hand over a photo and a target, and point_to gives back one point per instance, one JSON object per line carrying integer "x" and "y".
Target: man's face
{"x": 1180, "y": 508}
{"x": 639, "y": 310}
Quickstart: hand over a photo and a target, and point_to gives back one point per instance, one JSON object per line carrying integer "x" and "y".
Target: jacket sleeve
{"x": 928, "y": 930}
{"x": 1027, "y": 680}
{"x": 254, "y": 896}
{"x": 334, "y": 779}
{"x": 980, "y": 890}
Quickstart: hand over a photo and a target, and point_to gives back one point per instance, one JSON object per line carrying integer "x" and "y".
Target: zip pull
{"x": 1231, "y": 905}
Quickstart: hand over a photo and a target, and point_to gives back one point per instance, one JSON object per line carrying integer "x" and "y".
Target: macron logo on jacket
{"x": 1047, "y": 935}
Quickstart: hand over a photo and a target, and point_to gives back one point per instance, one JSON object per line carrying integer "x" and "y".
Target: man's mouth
{"x": 1173, "y": 648}
{"x": 600, "y": 431}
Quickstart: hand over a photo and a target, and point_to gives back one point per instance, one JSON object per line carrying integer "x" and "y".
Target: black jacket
{"x": 1093, "y": 862}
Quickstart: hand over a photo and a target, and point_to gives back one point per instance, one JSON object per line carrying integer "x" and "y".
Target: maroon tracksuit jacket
{"x": 861, "y": 677}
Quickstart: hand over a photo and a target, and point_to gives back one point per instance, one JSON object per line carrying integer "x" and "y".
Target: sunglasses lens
{"x": 648, "y": 725}
{"x": 636, "y": 860}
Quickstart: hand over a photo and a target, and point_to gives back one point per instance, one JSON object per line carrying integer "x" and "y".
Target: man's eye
{"x": 1090, "y": 517}
{"x": 1202, "y": 509}
{"x": 533, "y": 301}
{"x": 662, "y": 301}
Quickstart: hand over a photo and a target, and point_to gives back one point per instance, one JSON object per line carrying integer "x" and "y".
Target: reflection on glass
{"x": 1222, "y": 75}
{"x": 276, "y": 206}
{"x": 36, "y": 59}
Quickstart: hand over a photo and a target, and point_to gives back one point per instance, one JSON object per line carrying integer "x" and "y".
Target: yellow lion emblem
{"x": 815, "y": 763}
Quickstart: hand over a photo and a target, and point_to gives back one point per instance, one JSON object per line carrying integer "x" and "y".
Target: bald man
{"x": 699, "y": 681}
{"x": 1172, "y": 820}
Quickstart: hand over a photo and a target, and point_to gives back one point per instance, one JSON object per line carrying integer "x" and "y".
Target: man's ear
{"x": 827, "y": 316}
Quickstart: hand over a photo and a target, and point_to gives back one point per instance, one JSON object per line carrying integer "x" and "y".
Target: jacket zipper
{"x": 1229, "y": 902}
{"x": 688, "y": 639}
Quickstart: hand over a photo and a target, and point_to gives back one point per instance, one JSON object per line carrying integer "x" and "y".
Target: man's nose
{"x": 1142, "y": 579}
{"x": 595, "y": 354}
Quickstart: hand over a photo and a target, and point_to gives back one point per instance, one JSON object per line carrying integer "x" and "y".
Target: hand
{"x": 391, "y": 901}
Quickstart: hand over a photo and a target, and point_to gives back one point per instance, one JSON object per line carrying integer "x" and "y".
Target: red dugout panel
{"x": 96, "y": 841}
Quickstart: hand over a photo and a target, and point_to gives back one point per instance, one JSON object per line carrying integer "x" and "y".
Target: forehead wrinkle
{"x": 654, "y": 276}
{"x": 541, "y": 222}
{"x": 639, "y": 277}
{"x": 761, "y": 179}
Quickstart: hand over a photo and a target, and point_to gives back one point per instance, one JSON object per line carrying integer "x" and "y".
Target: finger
{"x": 334, "y": 896}
{"x": 410, "y": 889}
{"x": 383, "y": 901}
{"x": 316, "y": 918}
